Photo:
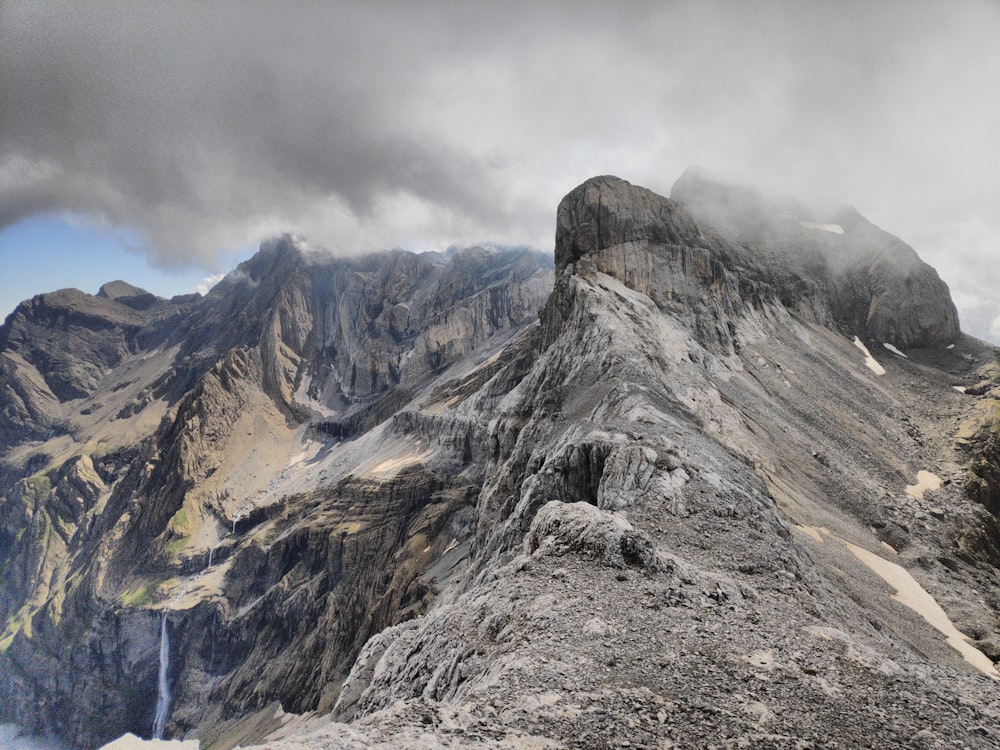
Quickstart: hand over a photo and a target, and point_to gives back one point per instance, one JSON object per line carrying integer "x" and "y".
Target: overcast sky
{"x": 201, "y": 128}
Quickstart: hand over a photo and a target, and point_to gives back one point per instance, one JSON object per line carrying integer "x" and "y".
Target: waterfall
{"x": 163, "y": 689}
{"x": 211, "y": 554}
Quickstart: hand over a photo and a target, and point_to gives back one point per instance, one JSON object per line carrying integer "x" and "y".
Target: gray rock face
{"x": 59, "y": 349}
{"x": 606, "y": 212}
{"x": 71, "y": 339}
{"x": 652, "y": 245}
{"x": 700, "y": 602}
{"x": 873, "y": 284}
{"x": 120, "y": 290}
{"x": 197, "y": 426}
{"x": 663, "y": 515}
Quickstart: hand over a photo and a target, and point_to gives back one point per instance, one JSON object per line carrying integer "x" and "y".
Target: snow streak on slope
{"x": 870, "y": 362}
{"x": 832, "y": 228}
{"x": 913, "y": 595}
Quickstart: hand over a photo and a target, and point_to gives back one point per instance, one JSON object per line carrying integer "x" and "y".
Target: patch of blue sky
{"x": 47, "y": 252}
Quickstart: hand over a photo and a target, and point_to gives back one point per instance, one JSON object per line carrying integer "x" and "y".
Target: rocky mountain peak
{"x": 119, "y": 289}
{"x": 266, "y": 271}
{"x": 726, "y": 205}
{"x": 653, "y": 246}
{"x": 872, "y": 283}
{"x": 128, "y": 295}
{"x": 607, "y": 211}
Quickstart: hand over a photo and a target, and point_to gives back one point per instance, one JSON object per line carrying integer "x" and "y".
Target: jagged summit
{"x": 738, "y": 248}
{"x": 607, "y": 211}
{"x": 874, "y": 284}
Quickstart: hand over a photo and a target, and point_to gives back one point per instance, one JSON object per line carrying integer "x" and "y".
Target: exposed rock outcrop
{"x": 980, "y": 433}
{"x": 73, "y": 339}
{"x": 707, "y": 460}
{"x": 653, "y": 246}
{"x": 873, "y": 284}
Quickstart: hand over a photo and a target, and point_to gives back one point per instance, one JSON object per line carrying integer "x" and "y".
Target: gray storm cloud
{"x": 364, "y": 125}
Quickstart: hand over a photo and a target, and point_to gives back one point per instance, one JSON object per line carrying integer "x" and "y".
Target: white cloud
{"x": 965, "y": 250}
{"x": 422, "y": 125}
{"x": 205, "y": 285}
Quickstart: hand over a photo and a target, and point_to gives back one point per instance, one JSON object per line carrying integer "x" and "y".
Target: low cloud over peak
{"x": 207, "y": 126}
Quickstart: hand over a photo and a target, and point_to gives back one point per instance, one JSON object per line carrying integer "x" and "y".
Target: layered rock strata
{"x": 203, "y": 467}
{"x": 693, "y": 501}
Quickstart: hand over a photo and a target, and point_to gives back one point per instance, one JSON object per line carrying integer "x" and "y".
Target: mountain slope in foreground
{"x": 736, "y": 485}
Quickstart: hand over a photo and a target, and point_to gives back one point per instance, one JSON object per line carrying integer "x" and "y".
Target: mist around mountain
{"x": 725, "y": 474}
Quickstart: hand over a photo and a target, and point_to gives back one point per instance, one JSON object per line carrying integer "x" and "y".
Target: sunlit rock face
{"x": 286, "y": 428}
{"x": 650, "y": 495}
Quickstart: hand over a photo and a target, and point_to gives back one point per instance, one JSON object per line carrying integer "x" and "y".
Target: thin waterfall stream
{"x": 163, "y": 687}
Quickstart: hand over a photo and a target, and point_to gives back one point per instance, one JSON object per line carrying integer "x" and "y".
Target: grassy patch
{"x": 176, "y": 545}
{"x": 137, "y": 597}
{"x": 57, "y": 598}
{"x": 181, "y": 522}
{"x": 179, "y": 529}
{"x": 19, "y": 623}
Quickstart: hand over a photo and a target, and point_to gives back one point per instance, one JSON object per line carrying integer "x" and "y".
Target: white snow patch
{"x": 894, "y": 350}
{"x": 392, "y": 459}
{"x": 870, "y": 362}
{"x": 814, "y": 532}
{"x": 835, "y": 228}
{"x": 959, "y": 388}
{"x": 395, "y": 465}
{"x": 131, "y": 742}
{"x": 913, "y": 595}
{"x": 925, "y": 481}
{"x": 950, "y": 347}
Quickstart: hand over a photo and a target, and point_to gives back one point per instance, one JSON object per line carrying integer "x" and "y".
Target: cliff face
{"x": 202, "y": 467}
{"x": 675, "y": 510}
{"x": 693, "y": 502}
{"x": 58, "y": 347}
{"x": 871, "y": 284}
